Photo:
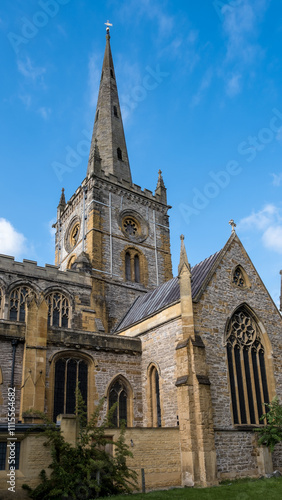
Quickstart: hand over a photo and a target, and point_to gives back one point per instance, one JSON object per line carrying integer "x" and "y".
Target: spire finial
{"x": 233, "y": 225}
{"x": 182, "y": 237}
{"x": 108, "y": 24}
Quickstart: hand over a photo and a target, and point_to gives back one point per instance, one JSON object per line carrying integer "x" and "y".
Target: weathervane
{"x": 108, "y": 24}
{"x": 233, "y": 225}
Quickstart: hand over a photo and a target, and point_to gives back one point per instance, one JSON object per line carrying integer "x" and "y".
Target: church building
{"x": 190, "y": 360}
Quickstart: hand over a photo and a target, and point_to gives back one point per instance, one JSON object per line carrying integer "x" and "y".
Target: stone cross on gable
{"x": 233, "y": 225}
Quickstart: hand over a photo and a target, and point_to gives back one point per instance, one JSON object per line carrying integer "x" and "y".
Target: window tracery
{"x": 70, "y": 373}
{"x": 18, "y": 299}
{"x": 247, "y": 369}
{"x": 118, "y": 395}
{"x": 238, "y": 277}
{"x": 1, "y": 301}
{"x": 58, "y": 310}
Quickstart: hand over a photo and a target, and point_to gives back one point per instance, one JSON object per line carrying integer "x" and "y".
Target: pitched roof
{"x": 167, "y": 294}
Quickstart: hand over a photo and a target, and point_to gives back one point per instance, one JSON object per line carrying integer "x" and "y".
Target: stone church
{"x": 190, "y": 360}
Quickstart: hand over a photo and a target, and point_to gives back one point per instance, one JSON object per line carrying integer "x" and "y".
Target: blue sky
{"x": 212, "y": 122}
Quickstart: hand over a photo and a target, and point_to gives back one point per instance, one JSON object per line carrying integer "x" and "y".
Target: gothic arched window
{"x": 58, "y": 309}
{"x": 119, "y": 154}
{"x": 118, "y": 395}
{"x": 247, "y": 370}
{"x": 127, "y": 267}
{"x": 70, "y": 373}
{"x": 240, "y": 278}
{"x": 155, "y": 398}
{"x": 115, "y": 111}
{"x": 18, "y": 298}
{"x": 137, "y": 268}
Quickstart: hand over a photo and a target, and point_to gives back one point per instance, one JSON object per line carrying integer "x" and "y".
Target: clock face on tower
{"x": 72, "y": 234}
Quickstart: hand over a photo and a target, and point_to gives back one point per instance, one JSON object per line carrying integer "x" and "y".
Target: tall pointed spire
{"x": 108, "y": 140}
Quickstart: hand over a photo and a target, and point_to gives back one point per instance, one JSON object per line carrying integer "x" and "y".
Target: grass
{"x": 245, "y": 489}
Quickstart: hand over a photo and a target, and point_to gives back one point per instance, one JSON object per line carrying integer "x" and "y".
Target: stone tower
{"x": 111, "y": 228}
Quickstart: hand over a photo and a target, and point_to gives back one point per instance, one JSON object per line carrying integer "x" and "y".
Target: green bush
{"x": 85, "y": 471}
{"x": 271, "y": 433}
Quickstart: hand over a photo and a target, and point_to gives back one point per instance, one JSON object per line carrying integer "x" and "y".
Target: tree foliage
{"x": 84, "y": 471}
{"x": 271, "y": 433}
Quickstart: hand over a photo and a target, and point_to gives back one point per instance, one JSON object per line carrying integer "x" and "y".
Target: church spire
{"x": 108, "y": 140}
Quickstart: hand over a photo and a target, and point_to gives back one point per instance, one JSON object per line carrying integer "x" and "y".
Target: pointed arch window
{"x": 240, "y": 278}
{"x": 127, "y": 267}
{"x": 155, "y": 401}
{"x": 115, "y": 112}
{"x": 18, "y": 299}
{"x": 70, "y": 373}
{"x": 118, "y": 395}
{"x": 97, "y": 116}
{"x": 247, "y": 369}
{"x": 137, "y": 268}
{"x": 58, "y": 310}
{"x": 112, "y": 74}
{"x": 119, "y": 154}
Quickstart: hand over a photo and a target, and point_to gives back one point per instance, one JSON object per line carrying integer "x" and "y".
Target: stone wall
{"x": 236, "y": 456}
{"x": 158, "y": 348}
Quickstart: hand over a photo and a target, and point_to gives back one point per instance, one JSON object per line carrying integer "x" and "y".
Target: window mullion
{"x": 243, "y": 371}
{"x": 236, "y": 386}
{"x": 253, "y": 385}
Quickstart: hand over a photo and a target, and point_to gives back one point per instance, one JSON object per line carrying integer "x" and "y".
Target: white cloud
{"x": 152, "y": 10}
{"x": 233, "y": 86}
{"x": 11, "y": 242}
{"x": 204, "y": 85}
{"x": 26, "y": 99}
{"x": 260, "y": 220}
{"x": 277, "y": 179}
{"x": 272, "y": 238}
{"x": 29, "y": 70}
{"x": 268, "y": 222}
{"x": 44, "y": 112}
{"x": 240, "y": 26}
{"x": 241, "y": 21}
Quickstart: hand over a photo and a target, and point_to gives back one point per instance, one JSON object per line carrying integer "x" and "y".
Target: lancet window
{"x": 132, "y": 266}
{"x": 18, "y": 299}
{"x": 155, "y": 398}
{"x": 247, "y": 369}
{"x": 118, "y": 395}
{"x": 119, "y": 154}
{"x": 70, "y": 373}
{"x": 58, "y": 310}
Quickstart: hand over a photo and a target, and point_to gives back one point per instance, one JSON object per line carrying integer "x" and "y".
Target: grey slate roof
{"x": 166, "y": 294}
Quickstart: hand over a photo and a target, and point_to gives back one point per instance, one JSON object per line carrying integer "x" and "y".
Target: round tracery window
{"x": 130, "y": 227}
